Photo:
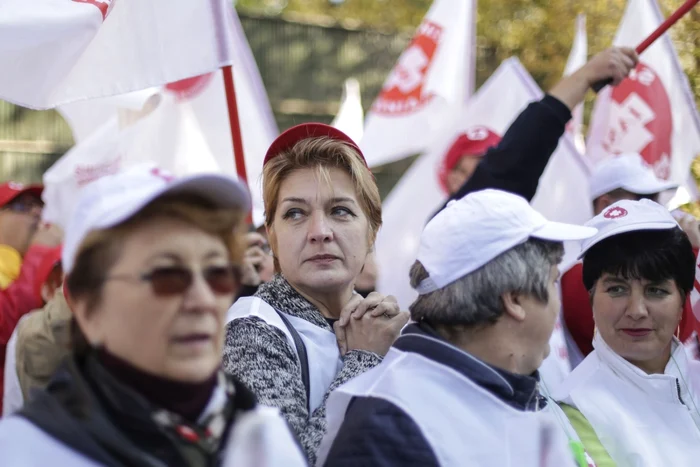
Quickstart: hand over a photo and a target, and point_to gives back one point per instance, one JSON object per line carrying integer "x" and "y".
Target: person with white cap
{"x": 151, "y": 267}
{"x": 460, "y": 386}
{"x": 633, "y": 399}
{"x": 624, "y": 177}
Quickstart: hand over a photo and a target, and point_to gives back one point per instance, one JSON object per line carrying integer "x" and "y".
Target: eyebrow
{"x": 614, "y": 280}
{"x": 338, "y": 199}
{"x": 178, "y": 259}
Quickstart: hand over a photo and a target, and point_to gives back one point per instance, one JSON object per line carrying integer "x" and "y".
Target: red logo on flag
{"x": 641, "y": 120}
{"x": 189, "y": 88}
{"x": 403, "y": 90}
{"x": 615, "y": 213}
{"x": 102, "y": 5}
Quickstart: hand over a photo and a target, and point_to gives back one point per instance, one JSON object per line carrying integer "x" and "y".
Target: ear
{"x": 46, "y": 292}
{"x": 89, "y": 322}
{"x": 513, "y": 305}
{"x": 603, "y": 202}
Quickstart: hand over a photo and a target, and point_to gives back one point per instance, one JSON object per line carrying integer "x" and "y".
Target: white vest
{"x": 639, "y": 418}
{"x": 259, "y": 438}
{"x": 464, "y": 424}
{"x": 321, "y": 346}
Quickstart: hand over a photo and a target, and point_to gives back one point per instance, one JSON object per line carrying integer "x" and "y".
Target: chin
{"x": 193, "y": 370}
{"x": 325, "y": 281}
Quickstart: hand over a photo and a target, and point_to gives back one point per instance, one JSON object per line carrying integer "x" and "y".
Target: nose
{"x": 319, "y": 229}
{"x": 637, "y": 308}
{"x": 199, "y": 296}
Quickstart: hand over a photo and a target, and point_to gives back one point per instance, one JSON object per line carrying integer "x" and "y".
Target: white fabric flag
{"x": 577, "y": 58}
{"x": 652, "y": 112}
{"x": 182, "y": 127}
{"x": 57, "y": 51}
{"x": 427, "y": 88}
{"x": 562, "y": 193}
{"x": 350, "y": 116}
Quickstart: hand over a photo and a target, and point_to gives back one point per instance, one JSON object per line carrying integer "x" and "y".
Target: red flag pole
{"x": 663, "y": 27}
{"x": 235, "y": 125}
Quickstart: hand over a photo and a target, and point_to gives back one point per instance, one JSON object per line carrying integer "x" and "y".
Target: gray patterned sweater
{"x": 260, "y": 356}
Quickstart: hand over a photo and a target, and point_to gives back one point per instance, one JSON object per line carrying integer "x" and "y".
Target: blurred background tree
{"x": 538, "y": 32}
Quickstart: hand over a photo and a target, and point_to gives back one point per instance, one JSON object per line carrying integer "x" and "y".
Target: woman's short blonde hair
{"x": 323, "y": 153}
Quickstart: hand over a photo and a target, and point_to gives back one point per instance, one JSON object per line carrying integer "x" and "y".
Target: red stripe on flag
{"x": 102, "y": 5}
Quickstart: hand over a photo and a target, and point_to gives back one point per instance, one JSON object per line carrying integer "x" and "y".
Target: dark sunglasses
{"x": 175, "y": 280}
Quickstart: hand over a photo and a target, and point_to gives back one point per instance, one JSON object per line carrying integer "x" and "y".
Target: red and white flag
{"x": 57, "y": 51}
{"x": 427, "y": 88}
{"x": 577, "y": 58}
{"x": 350, "y": 117}
{"x": 406, "y": 210}
{"x": 652, "y": 112}
{"x": 182, "y": 127}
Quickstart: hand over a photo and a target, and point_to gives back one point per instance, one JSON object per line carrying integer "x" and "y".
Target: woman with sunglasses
{"x": 634, "y": 400}
{"x": 307, "y": 331}
{"x": 150, "y": 266}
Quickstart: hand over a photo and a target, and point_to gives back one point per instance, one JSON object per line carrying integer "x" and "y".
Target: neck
{"x": 491, "y": 346}
{"x": 329, "y": 302}
{"x": 185, "y": 399}
{"x": 654, "y": 366}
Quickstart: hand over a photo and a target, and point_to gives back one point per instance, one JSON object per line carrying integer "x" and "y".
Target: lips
{"x": 637, "y": 332}
{"x": 192, "y": 339}
{"x": 322, "y": 258}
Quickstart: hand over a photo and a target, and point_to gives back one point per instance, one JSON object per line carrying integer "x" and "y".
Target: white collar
{"x": 664, "y": 387}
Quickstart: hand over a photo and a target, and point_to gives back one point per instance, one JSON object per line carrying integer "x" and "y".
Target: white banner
{"x": 350, "y": 117}
{"x": 577, "y": 58}
{"x": 427, "y": 88}
{"x": 652, "y": 112}
{"x": 57, "y": 51}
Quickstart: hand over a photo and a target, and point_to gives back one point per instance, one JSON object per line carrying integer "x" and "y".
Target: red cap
{"x": 11, "y": 190}
{"x": 49, "y": 261}
{"x": 474, "y": 142}
{"x": 301, "y": 132}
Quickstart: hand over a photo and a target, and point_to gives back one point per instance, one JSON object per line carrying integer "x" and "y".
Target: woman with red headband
{"x": 307, "y": 331}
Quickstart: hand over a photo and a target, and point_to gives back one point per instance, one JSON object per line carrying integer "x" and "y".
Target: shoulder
{"x": 378, "y": 432}
{"x": 23, "y": 444}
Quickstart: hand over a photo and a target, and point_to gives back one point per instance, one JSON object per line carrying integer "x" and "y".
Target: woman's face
{"x": 178, "y": 336}
{"x": 637, "y": 318}
{"x": 320, "y": 233}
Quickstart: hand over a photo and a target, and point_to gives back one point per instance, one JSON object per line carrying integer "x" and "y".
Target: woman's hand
{"x": 370, "y": 324}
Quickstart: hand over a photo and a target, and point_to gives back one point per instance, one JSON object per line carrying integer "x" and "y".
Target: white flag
{"x": 427, "y": 88}
{"x": 350, "y": 117}
{"x": 57, "y": 51}
{"x": 577, "y": 58}
{"x": 652, "y": 112}
{"x": 182, "y": 127}
{"x": 418, "y": 194}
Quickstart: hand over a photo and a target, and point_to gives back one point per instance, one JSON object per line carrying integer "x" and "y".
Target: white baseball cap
{"x": 113, "y": 199}
{"x": 470, "y": 232}
{"x": 629, "y": 172}
{"x": 628, "y": 216}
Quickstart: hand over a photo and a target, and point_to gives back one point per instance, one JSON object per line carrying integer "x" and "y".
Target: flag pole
{"x": 663, "y": 27}
{"x": 234, "y": 123}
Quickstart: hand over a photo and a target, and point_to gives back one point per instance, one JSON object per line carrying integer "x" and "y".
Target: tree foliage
{"x": 538, "y": 32}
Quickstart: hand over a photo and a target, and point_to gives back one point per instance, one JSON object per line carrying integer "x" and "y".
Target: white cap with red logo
{"x": 470, "y": 232}
{"x": 628, "y": 216}
{"x": 115, "y": 198}
{"x": 629, "y": 172}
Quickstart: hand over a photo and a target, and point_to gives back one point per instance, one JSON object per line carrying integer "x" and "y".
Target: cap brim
{"x": 625, "y": 229}
{"x": 651, "y": 188}
{"x": 560, "y": 232}
{"x": 223, "y": 191}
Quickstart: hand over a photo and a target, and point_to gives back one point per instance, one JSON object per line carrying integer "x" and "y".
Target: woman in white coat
{"x": 294, "y": 341}
{"x": 634, "y": 400}
{"x": 151, "y": 268}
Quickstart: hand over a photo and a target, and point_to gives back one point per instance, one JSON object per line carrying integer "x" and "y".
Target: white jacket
{"x": 642, "y": 420}
{"x": 259, "y": 438}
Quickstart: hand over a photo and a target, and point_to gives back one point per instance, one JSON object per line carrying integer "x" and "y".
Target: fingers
{"x": 372, "y": 301}
{"x": 388, "y": 307}
{"x": 399, "y": 321}
{"x": 348, "y": 309}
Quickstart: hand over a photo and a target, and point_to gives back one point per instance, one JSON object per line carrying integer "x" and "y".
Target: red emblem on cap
{"x": 102, "y": 5}
{"x": 403, "y": 90}
{"x": 615, "y": 213}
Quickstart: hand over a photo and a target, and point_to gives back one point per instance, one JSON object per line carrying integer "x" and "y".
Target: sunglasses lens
{"x": 222, "y": 280}
{"x": 170, "y": 281}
